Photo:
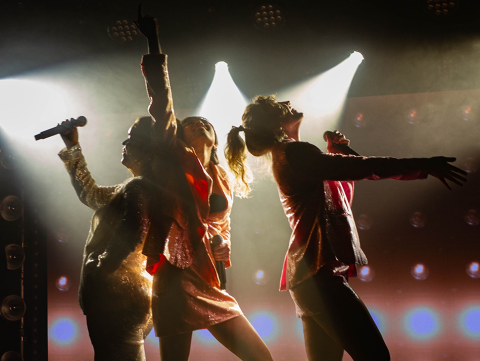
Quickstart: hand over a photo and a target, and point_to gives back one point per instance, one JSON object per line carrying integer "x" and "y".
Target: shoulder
{"x": 136, "y": 185}
{"x": 300, "y": 149}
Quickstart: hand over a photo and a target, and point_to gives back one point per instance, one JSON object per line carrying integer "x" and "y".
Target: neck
{"x": 203, "y": 153}
{"x": 293, "y": 130}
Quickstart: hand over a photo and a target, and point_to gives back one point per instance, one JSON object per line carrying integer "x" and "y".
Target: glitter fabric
{"x": 186, "y": 294}
{"x": 316, "y": 191}
{"x": 114, "y": 284}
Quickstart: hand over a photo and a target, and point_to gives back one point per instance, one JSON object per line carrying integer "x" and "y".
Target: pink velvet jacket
{"x": 316, "y": 191}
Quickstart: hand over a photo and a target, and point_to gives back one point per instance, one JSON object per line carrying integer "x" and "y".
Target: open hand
{"x": 221, "y": 252}
{"x": 439, "y": 168}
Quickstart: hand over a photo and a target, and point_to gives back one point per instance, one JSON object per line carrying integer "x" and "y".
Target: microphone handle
{"x": 345, "y": 149}
{"x": 79, "y": 122}
{"x": 219, "y": 265}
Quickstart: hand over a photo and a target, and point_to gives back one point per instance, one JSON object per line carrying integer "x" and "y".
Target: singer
{"x": 316, "y": 191}
{"x": 115, "y": 289}
{"x": 186, "y": 294}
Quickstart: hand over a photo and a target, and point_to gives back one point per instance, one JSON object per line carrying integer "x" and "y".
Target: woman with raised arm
{"x": 186, "y": 290}
{"x": 115, "y": 289}
{"x": 316, "y": 192}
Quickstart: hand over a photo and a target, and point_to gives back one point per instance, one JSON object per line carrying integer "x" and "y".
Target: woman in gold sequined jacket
{"x": 115, "y": 289}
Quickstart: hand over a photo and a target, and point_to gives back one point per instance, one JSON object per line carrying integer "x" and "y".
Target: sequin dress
{"x": 316, "y": 191}
{"x": 115, "y": 289}
{"x": 186, "y": 287}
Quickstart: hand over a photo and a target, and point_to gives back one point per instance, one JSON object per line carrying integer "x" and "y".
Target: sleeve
{"x": 155, "y": 72}
{"x": 89, "y": 193}
{"x": 309, "y": 162}
{"x": 132, "y": 227}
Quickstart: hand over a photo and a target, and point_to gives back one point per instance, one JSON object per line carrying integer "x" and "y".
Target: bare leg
{"x": 175, "y": 348}
{"x": 239, "y": 336}
{"x": 318, "y": 344}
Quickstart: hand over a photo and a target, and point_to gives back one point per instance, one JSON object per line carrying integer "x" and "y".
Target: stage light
{"x": 223, "y": 104}
{"x": 420, "y": 272}
{"x": 467, "y": 113}
{"x": 268, "y": 17}
{"x": 63, "y": 283}
{"x": 412, "y": 116}
{"x": 363, "y": 222}
{"x": 365, "y": 274}
{"x": 418, "y": 220}
{"x": 11, "y": 356}
{"x": 13, "y": 308}
{"x": 63, "y": 331}
{"x": 470, "y": 165}
{"x": 265, "y": 324}
{"x": 122, "y": 31}
{"x": 259, "y": 277}
{"x": 356, "y": 57}
{"x": 422, "y": 324}
{"x": 472, "y": 217}
{"x": 470, "y": 322}
{"x": 205, "y": 337}
{"x": 11, "y": 208}
{"x": 15, "y": 256}
{"x": 473, "y": 270}
{"x": 441, "y": 9}
{"x": 359, "y": 121}
{"x": 378, "y": 318}
{"x": 322, "y": 98}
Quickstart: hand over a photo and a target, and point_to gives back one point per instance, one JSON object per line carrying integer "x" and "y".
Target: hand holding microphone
{"x": 62, "y": 128}
{"x": 221, "y": 252}
{"x": 337, "y": 143}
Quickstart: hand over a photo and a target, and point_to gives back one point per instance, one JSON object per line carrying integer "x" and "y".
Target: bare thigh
{"x": 239, "y": 336}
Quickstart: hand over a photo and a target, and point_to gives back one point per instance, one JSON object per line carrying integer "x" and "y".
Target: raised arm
{"x": 89, "y": 193}
{"x": 155, "y": 71}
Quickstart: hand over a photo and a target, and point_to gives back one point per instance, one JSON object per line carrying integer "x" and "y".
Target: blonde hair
{"x": 262, "y": 125}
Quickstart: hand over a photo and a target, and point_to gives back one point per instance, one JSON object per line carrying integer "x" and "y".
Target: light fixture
{"x": 11, "y": 356}
{"x": 11, "y": 208}
{"x": 15, "y": 256}
{"x": 123, "y": 31}
{"x": 268, "y": 17}
{"x": 441, "y": 9}
{"x": 13, "y": 308}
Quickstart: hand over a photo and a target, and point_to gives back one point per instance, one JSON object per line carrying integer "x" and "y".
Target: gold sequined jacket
{"x": 113, "y": 271}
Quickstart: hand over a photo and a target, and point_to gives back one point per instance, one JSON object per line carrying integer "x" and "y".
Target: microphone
{"x": 69, "y": 125}
{"x": 219, "y": 265}
{"x": 345, "y": 149}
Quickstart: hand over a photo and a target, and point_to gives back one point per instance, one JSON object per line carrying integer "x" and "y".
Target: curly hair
{"x": 262, "y": 124}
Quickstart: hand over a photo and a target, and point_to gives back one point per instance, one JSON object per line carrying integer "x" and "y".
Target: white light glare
{"x": 356, "y": 57}
{"x": 224, "y": 104}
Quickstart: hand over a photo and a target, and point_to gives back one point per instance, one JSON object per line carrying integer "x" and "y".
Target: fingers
{"x": 221, "y": 252}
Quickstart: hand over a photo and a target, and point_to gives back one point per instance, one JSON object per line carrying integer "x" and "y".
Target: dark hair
{"x": 142, "y": 130}
{"x": 181, "y": 135}
{"x": 262, "y": 124}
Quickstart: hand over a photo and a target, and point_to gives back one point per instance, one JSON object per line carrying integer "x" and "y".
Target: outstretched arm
{"x": 149, "y": 28}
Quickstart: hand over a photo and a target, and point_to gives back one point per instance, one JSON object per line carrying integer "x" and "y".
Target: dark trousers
{"x": 335, "y": 319}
